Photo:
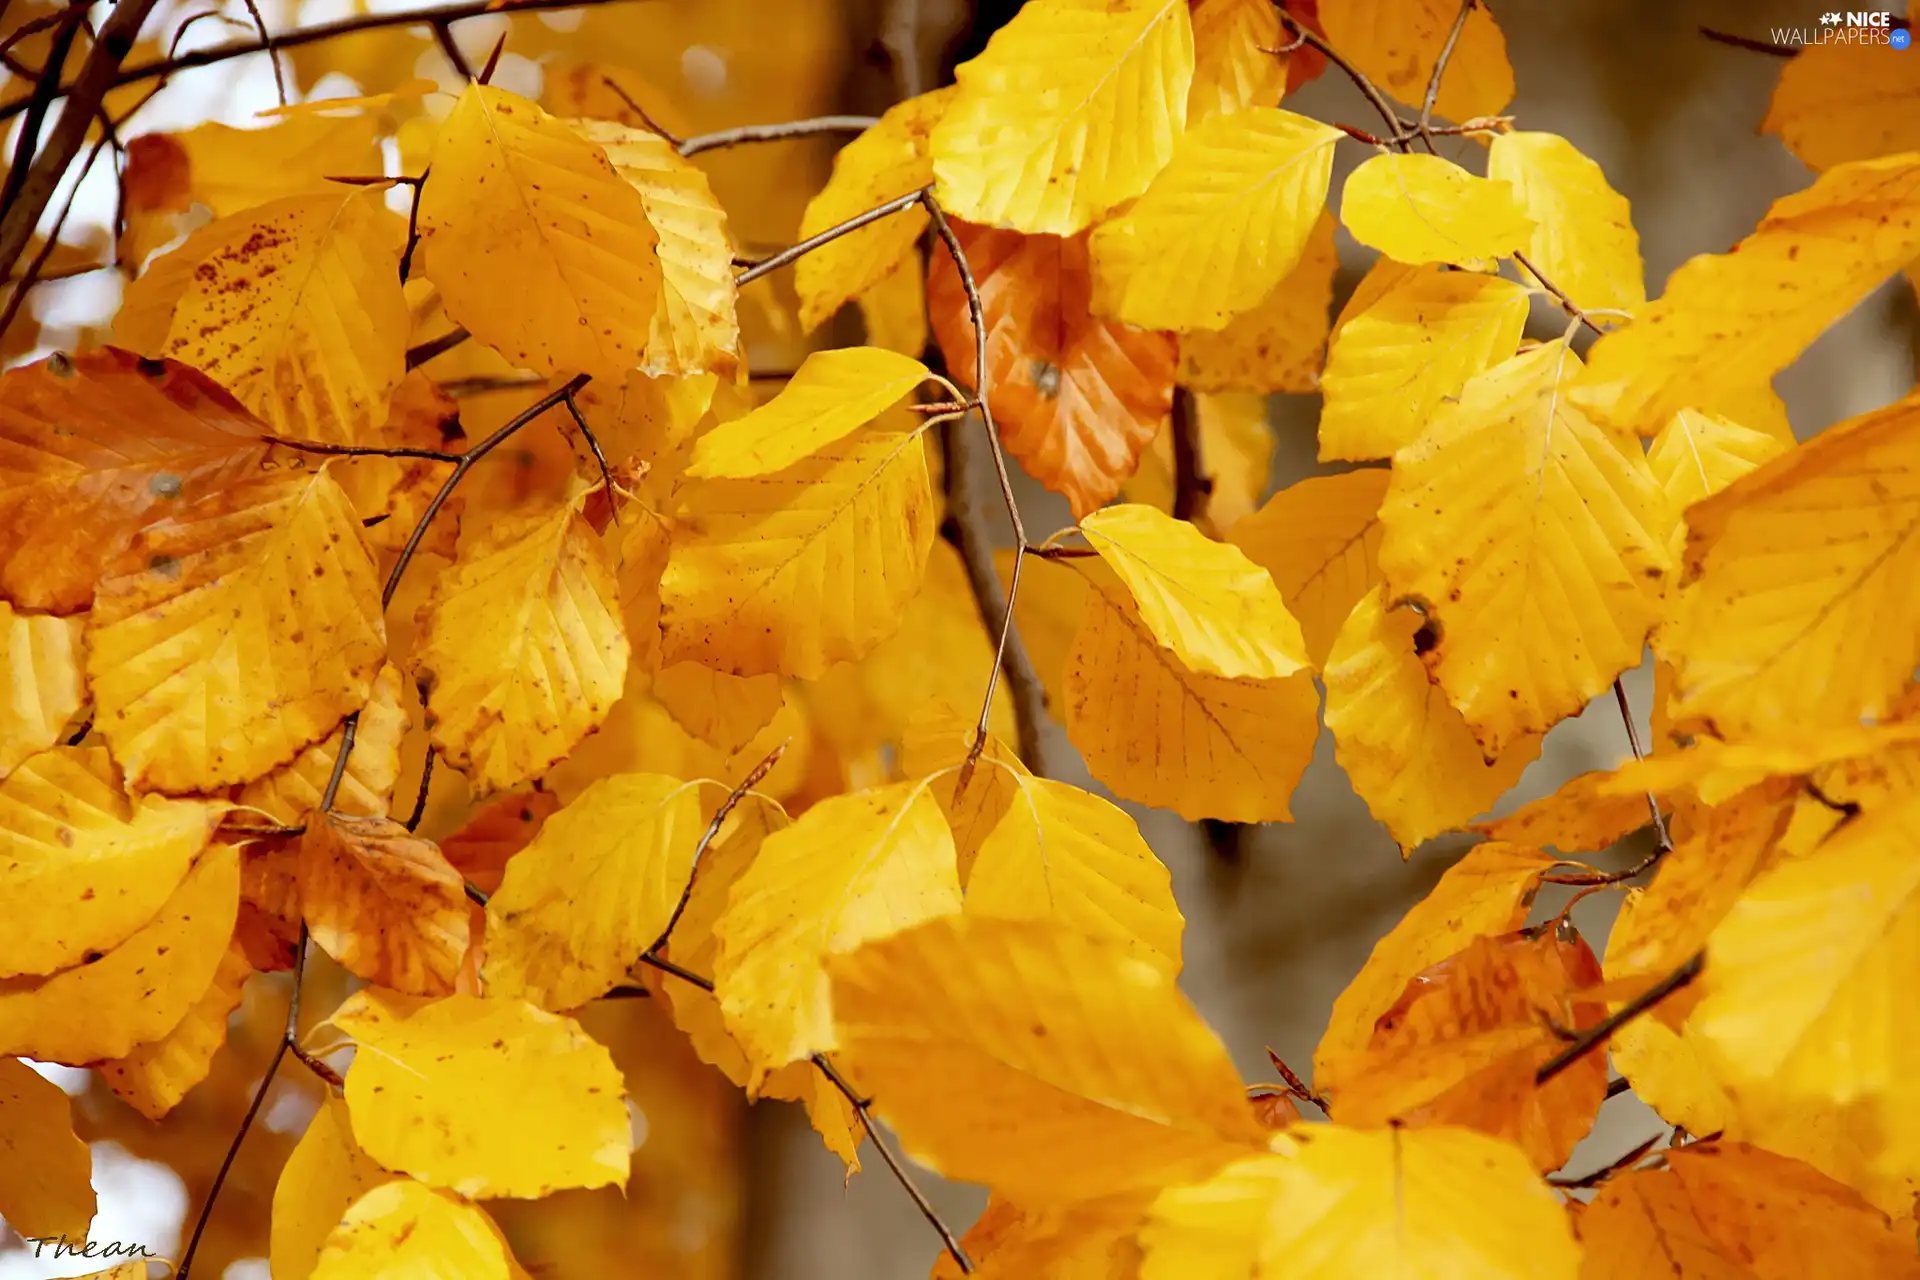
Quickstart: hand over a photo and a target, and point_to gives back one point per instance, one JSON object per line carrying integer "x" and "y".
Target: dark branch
{"x": 1596, "y": 1035}
{"x": 749, "y": 133}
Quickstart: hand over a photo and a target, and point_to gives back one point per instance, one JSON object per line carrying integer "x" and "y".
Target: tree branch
{"x": 1191, "y": 485}
{"x": 749, "y": 133}
{"x": 1597, "y": 1034}
{"x": 70, "y": 131}
{"x": 427, "y": 16}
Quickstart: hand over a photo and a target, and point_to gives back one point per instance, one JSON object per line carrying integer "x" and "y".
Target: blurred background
{"x": 1279, "y": 917}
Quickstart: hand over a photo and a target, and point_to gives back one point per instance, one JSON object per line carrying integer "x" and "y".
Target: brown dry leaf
{"x": 1487, "y": 892}
{"x": 383, "y": 902}
{"x": 1462, "y": 1043}
{"x": 1076, "y": 397}
{"x": 107, "y": 443}
{"x": 277, "y": 570}
{"x": 496, "y": 831}
{"x": 155, "y": 1076}
{"x": 46, "y": 1173}
{"x": 1726, "y": 1209}
{"x": 366, "y": 788}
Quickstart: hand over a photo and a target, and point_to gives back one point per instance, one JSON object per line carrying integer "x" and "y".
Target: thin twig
{"x": 1191, "y": 484}
{"x": 363, "y": 451}
{"x": 858, "y": 1103}
{"x": 46, "y": 87}
{"x": 279, "y": 75}
{"x": 1396, "y": 127}
{"x": 493, "y": 59}
{"x": 749, "y": 133}
{"x": 1660, "y": 834}
{"x": 1751, "y": 45}
{"x": 425, "y": 351}
{"x": 420, "y": 796}
{"x": 613, "y": 87}
{"x": 413, "y": 241}
{"x": 1596, "y": 1035}
{"x": 1567, "y": 304}
{"x": 24, "y": 207}
{"x": 1297, "y": 1086}
{"x": 443, "y": 36}
{"x": 1440, "y": 66}
{"x": 1606, "y": 1171}
{"x": 593, "y": 443}
{"x": 467, "y": 459}
{"x": 319, "y": 32}
{"x": 792, "y": 253}
{"x": 185, "y": 1270}
{"x": 712, "y": 833}
{"x": 1029, "y": 695}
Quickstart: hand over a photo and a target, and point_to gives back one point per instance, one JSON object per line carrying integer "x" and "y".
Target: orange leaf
{"x": 498, "y": 830}
{"x": 1077, "y": 397}
{"x": 1462, "y": 1044}
{"x": 268, "y": 926}
{"x": 384, "y": 903}
{"x": 1727, "y": 1209}
{"x": 94, "y": 447}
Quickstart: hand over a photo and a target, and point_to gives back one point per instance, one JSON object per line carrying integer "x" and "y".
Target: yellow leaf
{"x": 1418, "y": 1204}
{"x": 1158, "y": 733}
{"x": 46, "y": 1172}
{"x": 1319, "y": 539}
{"x": 697, "y": 1012}
{"x": 1278, "y": 344}
{"x": 275, "y": 569}
{"x": 1728, "y": 321}
{"x": 1586, "y": 814}
{"x": 140, "y": 990}
{"x": 1798, "y": 609}
{"x": 1419, "y": 208}
{"x": 325, "y": 1174}
{"x": 1090, "y": 1240}
{"x": 1839, "y": 101}
{"x": 1395, "y": 43}
{"x": 1215, "y": 610}
{"x": 888, "y": 160}
{"x": 1485, "y": 893}
{"x": 724, "y": 711}
{"x": 810, "y": 566}
{"x": 853, "y": 868}
{"x": 1408, "y": 351}
{"x": 82, "y": 866}
{"x": 581, "y": 903}
{"x": 1406, "y": 751}
{"x": 366, "y": 788}
{"x": 155, "y": 1076}
{"x": 1698, "y": 454}
{"x": 893, "y": 312}
{"x": 1803, "y": 971}
{"x": 485, "y": 1098}
{"x": 522, "y": 651}
{"x": 1534, "y": 540}
{"x": 1716, "y": 770}
{"x": 538, "y": 245}
{"x": 1221, "y": 226}
{"x": 297, "y": 309}
{"x": 384, "y": 903}
{"x": 43, "y": 657}
{"x": 401, "y": 1229}
{"x": 220, "y": 167}
{"x": 832, "y": 395}
{"x": 1104, "y": 92}
{"x": 1067, "y": 857}
{"x": 1233, "y": 66}
{"x": 1051, "y": 1067}
{"x": 942, "y": 655}
{"x": 695, "y": 328}
{"x": 1583, "y": 236}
